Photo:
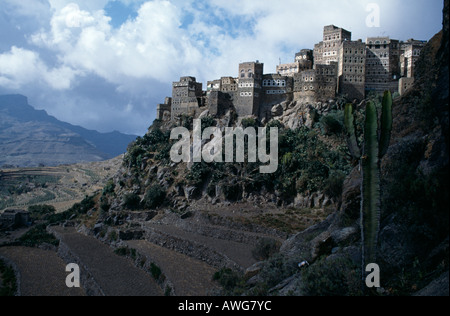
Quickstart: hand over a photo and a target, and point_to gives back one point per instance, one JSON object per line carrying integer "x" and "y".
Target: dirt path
{"x": 189, "y": 276}
{"x": 117, "y": 276}
{"x": 42, "y": 272}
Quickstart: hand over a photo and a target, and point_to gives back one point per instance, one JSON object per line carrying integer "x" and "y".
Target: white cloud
{"x": 21, "y": 67}
{"x": 151, "y": 46}
{"x": 73, "y": 41}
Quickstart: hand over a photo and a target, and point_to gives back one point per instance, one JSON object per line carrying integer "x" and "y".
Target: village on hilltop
{"x": 336, "y": 66}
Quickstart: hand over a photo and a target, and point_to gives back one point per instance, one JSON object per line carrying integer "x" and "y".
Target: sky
{"x": 106, "y": 64}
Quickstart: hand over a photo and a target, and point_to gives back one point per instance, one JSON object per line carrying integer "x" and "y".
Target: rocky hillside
{"x": 413, "y": 240}
{"x": 29, "y": 138}
{"x": 256, "y": 228}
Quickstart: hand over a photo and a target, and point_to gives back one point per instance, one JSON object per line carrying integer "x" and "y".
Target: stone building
{"x": 186, "y": 96}
{"x": 306, "y": 57}
{"x": 336, "y": 65}
{"x": 328, "y": 50}
{"x": 352, "y": 69}
{"x": 163, "y": 111}
{"x": 249, "y": 88}
{"x": 275, "y": 90}
{"x": 337, "y": 47}
{"x": 221, "y": 95}
{"x": 12, "y": 219}
{"x": 410, "y": 53}
{"x": 382, "y": 64}
{"x": 318, "y": 84}
{"x": 303, "y": 61}
{"x": 213, "y": 85}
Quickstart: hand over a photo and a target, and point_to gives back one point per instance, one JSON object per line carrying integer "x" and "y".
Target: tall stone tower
{"x": 249, "y": 88}
{"x": 328, "y": 50}
{"x": 383, "y": 64}
{"x": 186, "y": 96}
{"x": 352, "y": 69}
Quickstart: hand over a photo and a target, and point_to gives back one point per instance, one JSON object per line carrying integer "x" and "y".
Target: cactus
{"x": 386, "y": 124}
{"x": 350, "y": 131}
{"x": 375, "y": 146}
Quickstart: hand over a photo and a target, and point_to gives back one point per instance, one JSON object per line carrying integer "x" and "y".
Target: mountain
{"x": 30, "y": 137}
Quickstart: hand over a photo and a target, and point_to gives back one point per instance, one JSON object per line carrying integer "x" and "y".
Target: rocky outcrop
{"x": 295, "y": 114}
{"x": 413, "y": 237}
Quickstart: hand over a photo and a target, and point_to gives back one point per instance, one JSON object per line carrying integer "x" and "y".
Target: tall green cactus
{"x": 370, "y": 203}
{"x": 375, "y": 146}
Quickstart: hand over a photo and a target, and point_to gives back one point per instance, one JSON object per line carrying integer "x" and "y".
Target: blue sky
{"x": 106, "y": 64}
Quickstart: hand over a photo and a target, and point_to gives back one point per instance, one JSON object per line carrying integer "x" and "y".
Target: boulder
{"x": 277, "y": 110}
{"x": 203, "y": 114}
{"x": 253, "y": 270}
{"x": 190, "y": 192}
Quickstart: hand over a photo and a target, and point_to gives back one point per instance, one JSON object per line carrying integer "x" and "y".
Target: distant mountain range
{"x": 30, "y": 137}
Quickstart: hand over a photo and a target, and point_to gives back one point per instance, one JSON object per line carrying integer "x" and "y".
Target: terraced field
{"x": 60, "y": 186}
{"x": 42, "y": 272}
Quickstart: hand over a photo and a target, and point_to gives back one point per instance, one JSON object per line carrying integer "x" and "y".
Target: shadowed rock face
{"x": 413, "y": 238}
{"x": 30, "y": 137}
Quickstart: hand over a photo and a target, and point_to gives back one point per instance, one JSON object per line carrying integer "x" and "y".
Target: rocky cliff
{"x": 414, "y": 234}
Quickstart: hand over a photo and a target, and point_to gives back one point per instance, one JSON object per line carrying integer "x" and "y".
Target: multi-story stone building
{"x": 410, "y": 53}
{"x": 249, "y": 88}
{"x": 221, "y": 95}
{"x": 318, "y": 84}
{"x": 275, "y": 90}
{"x": 351, "y": 69}
{"x": 337, "y": 47}
{"x": 382, "y": 64}
{"x": 186, "y": 96}
{"x": 163, "y": 111}
{"x": 303, "y": 61}
{"x": 328, "y": 50}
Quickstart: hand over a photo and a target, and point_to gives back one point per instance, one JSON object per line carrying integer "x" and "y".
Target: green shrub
{"x": 230, "y": 280}
{"x": 198, "y": 173}
{"x": 334, "y": 184}
{"x": 332, "y": 123}
{"x": 132, "y": 201}
{"x": 265, "y": 249}
{"x": 155, "y": 271}
{"x": 332, "y": 277}
{"x": 249, "y": 122}
{"x": 232, "y": 192}
{"x": 8, "y": 284}
{"x": 37, "y": 236}
{"x": 109, "y": 187}
{"x": 126, "y": 252}
{"x": 154, "y": 197}
{"x": 207, "y": 121}
{"x": 41, "y": 212}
